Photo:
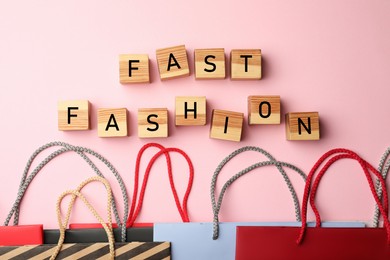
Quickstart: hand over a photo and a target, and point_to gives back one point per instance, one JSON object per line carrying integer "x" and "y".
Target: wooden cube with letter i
{"x": 303, "y": 126}
{"x": 226, "y": 125}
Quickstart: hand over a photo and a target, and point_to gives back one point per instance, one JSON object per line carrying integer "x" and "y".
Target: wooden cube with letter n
{"x": 134, "y": 68}
{"x": 263, "y": 110}
{"x": 152, "y": 122}
{"x": 210, "y": 63}
{"x": 245, "y": 64}
{"x": 303, "y": 126}
{"x": 226, "y": 125}
{"x": 112, "y": 122}
{"x": 172, "y": 62}
{"x": 73, "y": 115}
{"x": 190, "y": 111}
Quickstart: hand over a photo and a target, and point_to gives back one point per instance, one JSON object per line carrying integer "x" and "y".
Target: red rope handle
{"x": 182, "y": 208}
{"x": 365, "y": 166}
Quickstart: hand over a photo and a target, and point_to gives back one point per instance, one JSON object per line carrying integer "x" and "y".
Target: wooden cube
{"x": 152, "y": 122}
{"x": 134, "y": 68}
{"x": 263, "y": 110}
{"x": 245, "y": 64}
{"x": 226, "y": 125}
{"x": 190, "y": 111}
{"x": 73, "y": 115}
{"x": 112, "y": 122}
{"x": 172, "y": 62}
{"x": 303, "y": 126}
{"x": 210, "y": 63}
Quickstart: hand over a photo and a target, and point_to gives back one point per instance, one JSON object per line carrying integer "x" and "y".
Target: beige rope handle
{"x": 76, "y": 193}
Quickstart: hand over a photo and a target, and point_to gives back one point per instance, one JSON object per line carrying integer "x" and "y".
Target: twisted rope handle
{"x": 182, "y": 207}
{"x": 279, "y": 165}
{"x": 26, "y": 180}
{"x": 311, "y": 191}
{"x": 76, "y": 193}
{"x": 384, "y": 169}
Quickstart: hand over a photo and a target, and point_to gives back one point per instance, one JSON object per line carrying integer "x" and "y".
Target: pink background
{"x": 327, "y": 56}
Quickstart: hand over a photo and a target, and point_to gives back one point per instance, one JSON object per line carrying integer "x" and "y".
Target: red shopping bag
{"x": 319, "y": 243}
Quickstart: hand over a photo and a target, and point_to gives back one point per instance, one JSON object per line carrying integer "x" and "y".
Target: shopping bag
{"x": 217, "y": 240}
{"x": 320, "y": 243}
{"x": 32, "y": 234}
{"x": 110, "y": 250}
{"x": 383, "y": 168}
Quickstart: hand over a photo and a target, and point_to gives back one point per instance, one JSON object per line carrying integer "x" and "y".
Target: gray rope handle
{"x": 383, "y": 168}
{"x": 26, "y": 180}
{"x": 279, "y": 165}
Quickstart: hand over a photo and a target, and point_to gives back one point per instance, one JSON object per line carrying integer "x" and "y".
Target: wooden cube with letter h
{"x": 190, "y": 111}
{"x": 210, "y": 63}
{"x": 73, "y": 115}
{"x": 152, "y": 122}
{"x": 263, "y": 110}
{"x": 303, "y": 126}
{"x": 112, "y": 122}
{"x": 172, "y": 62}
{"x": 134, "y": 68}
{"x": 226, "y": 125}
{"x": 245, "y": 64}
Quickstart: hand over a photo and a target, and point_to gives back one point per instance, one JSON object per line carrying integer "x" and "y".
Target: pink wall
{"x": 327, "y": 56}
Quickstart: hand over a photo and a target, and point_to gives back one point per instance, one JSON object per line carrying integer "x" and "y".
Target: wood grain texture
{"x": 112, "y": 122}
{"x": 192, "y": 102}
{"x": 303, "y": 126}
{"x": 73, "y": 115}
{"x": 270, "y": 110}
{"x": 152, "y": 122}
{"x": 210, "y": 63}
{"x": 226, "y": 125}
{"x": 245, "y": 64}
{"x": 163, "y": 60}
{"x": 140, "y": 68}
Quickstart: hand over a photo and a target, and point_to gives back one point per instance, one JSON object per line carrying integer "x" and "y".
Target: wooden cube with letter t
{"x": 73, "y": 115}
{"x": 134, "y": 68}
{"x": 190, "y": 111}
{"x": 172, "y": 62}
{"x": 303, "y": 126}
{"x": 263, "y": 110}
{"x": 152, "y": 122}
{"x": 245, "y": 64}
{"x": 210, "y": 63}
{"x": 112, "y": 122}
{"x": 226, "y": 125}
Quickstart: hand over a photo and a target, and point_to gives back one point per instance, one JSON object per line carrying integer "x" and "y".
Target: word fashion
{"x": 245, "y": 64}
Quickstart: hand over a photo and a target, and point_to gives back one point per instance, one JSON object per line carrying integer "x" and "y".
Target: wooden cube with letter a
{"x": 172, "y": 62}
{"x": 303, "y": 126}
{"x": 190, "y": 111}
{"x": 210, "y": 63}
{"x": 73, "y": 115}
{"x": 152, "y": 122}
{"x": 226, "y": 125}
{"x": 112, "y": 122}
{"x": 263, "y": 110}
{"x": 134, "y": 68}
{"x": 245, "y": 64}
